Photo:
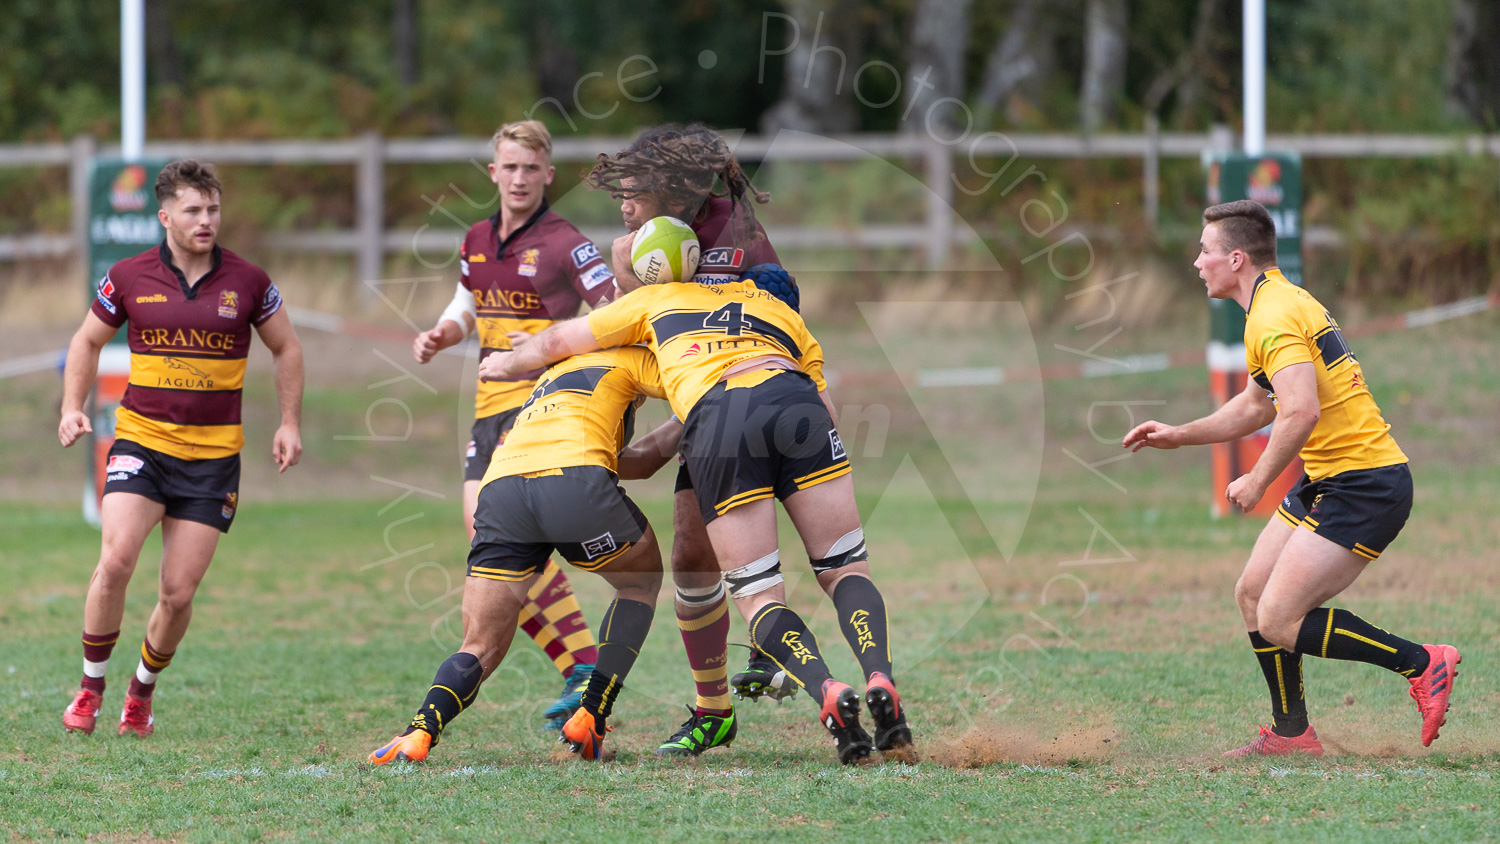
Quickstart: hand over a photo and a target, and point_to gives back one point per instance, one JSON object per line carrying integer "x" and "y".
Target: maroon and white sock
{"x": 96, "y": 650}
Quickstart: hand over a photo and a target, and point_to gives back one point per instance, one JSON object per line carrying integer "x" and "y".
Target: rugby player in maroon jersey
{"x": 521, "y": 270}
{"x": 191, "y": 305}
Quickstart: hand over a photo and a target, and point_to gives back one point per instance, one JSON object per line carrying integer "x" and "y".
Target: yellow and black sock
{"x": 862, "y": 617}
{"x": 453, "y": 689}
{"x": 1283, "y": 671}
{"x": 781, "y": 635}
{"x": 1340, "y": 634}
{"x": 621, "y": 636}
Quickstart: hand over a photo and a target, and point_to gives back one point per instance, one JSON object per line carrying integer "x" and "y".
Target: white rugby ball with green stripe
{"x": 665, "y": 250}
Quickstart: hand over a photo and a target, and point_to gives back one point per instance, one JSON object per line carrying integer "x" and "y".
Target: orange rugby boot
{"x": 407, "y": 747}
{"x": 584, "y": 734}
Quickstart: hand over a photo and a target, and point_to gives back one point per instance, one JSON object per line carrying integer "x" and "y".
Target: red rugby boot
{"x": 840, "y": 714}
{"x": 83, "y": 712}
{"x": 1270, "y": 744}
{"x": 1433, "y": 687}
{"x": 136, "y": 716}
{"x": 892, "y": 735}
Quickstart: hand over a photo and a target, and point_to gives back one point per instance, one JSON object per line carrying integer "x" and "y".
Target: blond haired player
{"x": 520, "y": 271}
{"x": 1351, "y": 504}
{"x": 191, "y": 305}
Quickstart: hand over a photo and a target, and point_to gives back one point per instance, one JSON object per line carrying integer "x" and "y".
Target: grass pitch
{"x": 1070, "y": 654}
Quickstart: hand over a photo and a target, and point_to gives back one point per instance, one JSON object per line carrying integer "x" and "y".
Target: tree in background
{"x": 1472, "y": 72}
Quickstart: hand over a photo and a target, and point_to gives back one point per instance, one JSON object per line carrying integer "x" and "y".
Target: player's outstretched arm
{"x": 286, "y": 362}
{"x": 1241, "y": 416}
{"x": 645, "y": 457}
{"x": 561, "y": 341}
{"x": 78, "y": 376}
{"x": 1297, "y": 394}
{"x": 453, "y": 326}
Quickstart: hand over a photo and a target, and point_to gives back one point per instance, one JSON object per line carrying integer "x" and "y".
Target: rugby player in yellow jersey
{"x": 647, "y": 178}
{"x": 1353, "y": 501}
{"x": 743, "y": 373}
{"x": 552, "y": 485}
{"x": 520, "y": 270}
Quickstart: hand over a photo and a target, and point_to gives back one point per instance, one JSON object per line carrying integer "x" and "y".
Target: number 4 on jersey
{"x": 731, "y": 318}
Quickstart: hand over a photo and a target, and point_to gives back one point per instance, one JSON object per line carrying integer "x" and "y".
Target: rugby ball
{"x": 665, "y": 250}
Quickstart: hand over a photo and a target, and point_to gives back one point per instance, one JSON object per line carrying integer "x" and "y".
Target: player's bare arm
{"x": 562, "y": 340}
{"x": 78, "y": 376}
{"x": 455, "y": 323}
{"x": 286, "y": 361}
{"x": 645, "y": 457}
{"x": 1296, "y": 389}
{"x": 1241, "y": 416}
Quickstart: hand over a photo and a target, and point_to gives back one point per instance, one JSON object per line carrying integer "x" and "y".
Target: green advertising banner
{"x": 122, "y": 215}
{"x": 1275, "y": 181}
{"x": 122, "y": 224}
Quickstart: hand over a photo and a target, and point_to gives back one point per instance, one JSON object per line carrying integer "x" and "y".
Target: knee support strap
{"x": 850, "y": 548}
{"x": 756, "y": 577}
{"x": 700, "y": 596}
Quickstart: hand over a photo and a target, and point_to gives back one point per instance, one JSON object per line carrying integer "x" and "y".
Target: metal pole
{"x": 132, "y": 78}
{"x": 369, "y": 210}
{"x": 939, "y": 204}
{"x": 1151, "y": 171}
{"x": 1254, "y": 59}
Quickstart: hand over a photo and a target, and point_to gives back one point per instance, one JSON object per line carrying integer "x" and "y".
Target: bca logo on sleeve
{"x": 584, "y": 253}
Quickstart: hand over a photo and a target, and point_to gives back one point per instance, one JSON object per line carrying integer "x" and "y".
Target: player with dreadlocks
{"x": 745, "y": 376}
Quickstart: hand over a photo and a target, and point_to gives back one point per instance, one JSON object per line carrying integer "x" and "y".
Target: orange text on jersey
{"x": 511, "y": 300}
{"x": 191, "y": 338}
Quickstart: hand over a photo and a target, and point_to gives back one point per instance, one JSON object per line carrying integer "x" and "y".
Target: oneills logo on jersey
{"x": 155, "y": 297}
{"x": 229, "y": 304}
{"x": 528, "y": 262}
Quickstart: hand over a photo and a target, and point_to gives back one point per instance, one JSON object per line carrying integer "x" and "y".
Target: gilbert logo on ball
{"x": 665, "y": 250}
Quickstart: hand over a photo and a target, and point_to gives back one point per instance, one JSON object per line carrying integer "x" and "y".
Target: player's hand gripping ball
{"x": 665, "y": 250}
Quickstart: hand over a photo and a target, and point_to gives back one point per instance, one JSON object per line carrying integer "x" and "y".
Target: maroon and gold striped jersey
{"x": 721, "y": 257}
{"x": 188, "y": 349}
{"x": 542, "y": 273}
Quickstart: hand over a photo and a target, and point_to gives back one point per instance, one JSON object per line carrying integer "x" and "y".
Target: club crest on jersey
{"x": 231, "y": 501}
{"x": 124, "y": 463}
{"x": 229, "y": 304}
{"x": 584, "y": 253}
{"x": 528, "y": 262}
{"x": 599, "y": 545}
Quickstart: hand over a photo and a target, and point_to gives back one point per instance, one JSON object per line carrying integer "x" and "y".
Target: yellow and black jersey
{"x": 698, "y": 331}
{"x": 579, "y": 414}
{"x": 1285, "y": 325}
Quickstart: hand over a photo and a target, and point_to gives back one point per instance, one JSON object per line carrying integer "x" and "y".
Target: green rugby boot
{"x": 699, "y": 733}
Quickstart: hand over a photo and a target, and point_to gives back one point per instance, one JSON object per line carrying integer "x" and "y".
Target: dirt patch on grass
{"x": 1000, "y": 743}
